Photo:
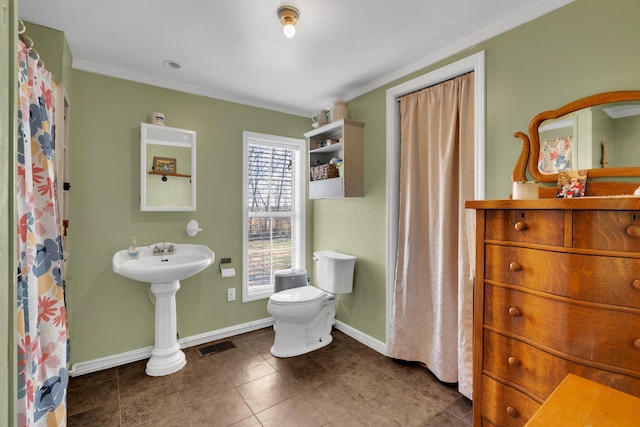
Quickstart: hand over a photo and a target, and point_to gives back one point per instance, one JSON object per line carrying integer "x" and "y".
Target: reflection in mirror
{"x": 605, "y": 135}
{"x": 175, "y": 191}
{"x": 167, "y": 178}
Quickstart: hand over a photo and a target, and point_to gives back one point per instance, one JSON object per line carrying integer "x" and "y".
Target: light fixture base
{"x": 288, "y": 16}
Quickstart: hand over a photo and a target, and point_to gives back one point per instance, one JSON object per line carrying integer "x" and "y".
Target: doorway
{"x": 475, "y": 63}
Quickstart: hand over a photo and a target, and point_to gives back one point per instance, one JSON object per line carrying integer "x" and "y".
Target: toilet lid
{"x": 298, "y": 295}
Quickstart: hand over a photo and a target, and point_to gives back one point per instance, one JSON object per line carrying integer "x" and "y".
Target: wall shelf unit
{"x": 169, "y": 174}
{"x": 348, "y": 133}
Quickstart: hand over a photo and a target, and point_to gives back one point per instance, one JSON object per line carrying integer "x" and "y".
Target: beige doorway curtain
{"x": 432, "y": 310}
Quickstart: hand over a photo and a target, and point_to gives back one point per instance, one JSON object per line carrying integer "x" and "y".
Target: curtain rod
{"x": 557, "y": 139}
{"x": 433, "y": 85}
{"x": 27, "y": 41}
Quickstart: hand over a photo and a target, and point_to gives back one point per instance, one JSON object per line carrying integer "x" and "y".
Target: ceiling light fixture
{"x": 288, "y": 17}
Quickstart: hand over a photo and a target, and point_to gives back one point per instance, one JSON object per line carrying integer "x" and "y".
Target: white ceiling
{"x": 235, "y": 50}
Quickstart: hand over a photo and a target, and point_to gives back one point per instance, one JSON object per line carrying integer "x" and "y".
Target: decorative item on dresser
{"x": 557, "y": 292}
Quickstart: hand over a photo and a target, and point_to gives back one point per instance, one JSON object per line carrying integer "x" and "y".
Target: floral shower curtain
{"x": 41, "y": 314}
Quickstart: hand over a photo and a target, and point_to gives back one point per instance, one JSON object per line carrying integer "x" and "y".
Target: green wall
{"x": 586, "y": 47}
{"x": 562, "y": 56}
{"x": 54, "y": 52}
{"x": 110, "y": 314}
{"x": 8, "y": 212}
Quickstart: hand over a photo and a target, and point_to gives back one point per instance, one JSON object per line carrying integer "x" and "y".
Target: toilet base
{"x": 294, "y": 339}
{"x": 291, "y": 352}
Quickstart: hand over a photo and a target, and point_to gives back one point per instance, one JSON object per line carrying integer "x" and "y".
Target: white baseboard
{"x": 360, "y": 336}
{"x": 225, "y": 332}
{"x": 83, "y": 368}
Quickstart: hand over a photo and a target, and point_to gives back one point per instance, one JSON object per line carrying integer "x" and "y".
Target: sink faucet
{"x": 157, "y": 250}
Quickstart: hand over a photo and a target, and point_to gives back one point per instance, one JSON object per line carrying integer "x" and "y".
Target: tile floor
{"x": 343, "y": 384}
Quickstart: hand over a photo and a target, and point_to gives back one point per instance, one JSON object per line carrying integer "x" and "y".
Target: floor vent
{"x": 207, "y": 349}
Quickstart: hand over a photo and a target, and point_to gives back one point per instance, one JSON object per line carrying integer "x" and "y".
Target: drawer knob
{"x": 636, "y": 343}
{"x": 513, "y": 412}
{"x": 521, "y": 226}
{"x": 514, "y": 312}
{"x": 633, "y": 231}
{"x": 513, "y": 362}
{"x": 514, "y": 266}
{"x": 636, "y": 284}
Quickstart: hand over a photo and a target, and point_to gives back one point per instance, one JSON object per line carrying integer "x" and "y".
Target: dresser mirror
{"x": 599, "y": 133}
{"x": 167, "y": 168}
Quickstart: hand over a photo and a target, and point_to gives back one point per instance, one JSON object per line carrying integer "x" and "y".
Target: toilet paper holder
{"x": 223, "y": 261}
{"x": 228, "y": 271}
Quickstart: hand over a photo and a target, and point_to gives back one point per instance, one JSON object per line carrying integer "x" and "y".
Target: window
{"x": 273, "y": 198}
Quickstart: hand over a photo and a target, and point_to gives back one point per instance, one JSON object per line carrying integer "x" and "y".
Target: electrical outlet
{"x": 231, "y": 294}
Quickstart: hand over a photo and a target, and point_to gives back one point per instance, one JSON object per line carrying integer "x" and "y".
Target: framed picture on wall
{"x": 165, "y": 165}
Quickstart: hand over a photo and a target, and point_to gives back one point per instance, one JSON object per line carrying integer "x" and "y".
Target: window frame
{"x": 299, "y": 199}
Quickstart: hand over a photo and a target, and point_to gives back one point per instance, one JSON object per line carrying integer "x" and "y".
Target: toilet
{"x": 304, "y": 314}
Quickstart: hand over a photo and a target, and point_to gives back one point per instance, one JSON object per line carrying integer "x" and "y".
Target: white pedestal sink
{"x": 164, "y": 271}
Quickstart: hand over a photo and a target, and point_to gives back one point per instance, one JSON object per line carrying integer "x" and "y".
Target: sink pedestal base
{"x": 166, "y": 356}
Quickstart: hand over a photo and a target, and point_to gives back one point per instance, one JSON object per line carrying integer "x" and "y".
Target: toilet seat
{"x": 297, "y": 296}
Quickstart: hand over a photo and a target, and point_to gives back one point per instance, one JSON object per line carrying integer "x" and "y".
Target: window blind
{"x": 271, "y": 211}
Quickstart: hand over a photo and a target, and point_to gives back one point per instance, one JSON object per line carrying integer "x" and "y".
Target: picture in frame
{"x": 165, "y": 165}
{"x": 571, "y": 184}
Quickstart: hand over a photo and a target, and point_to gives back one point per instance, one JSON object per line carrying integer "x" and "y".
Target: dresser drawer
{"x": 608, "y": 230}
{"x": 505, "y": 406}
{"x": 527, "y": 226}
{"x": 540, "y": 372}
{"x": 607, "y": 280}
{"x": 589, "y": 332}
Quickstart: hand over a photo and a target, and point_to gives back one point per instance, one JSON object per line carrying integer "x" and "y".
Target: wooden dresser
{"x": 557, "y": 292}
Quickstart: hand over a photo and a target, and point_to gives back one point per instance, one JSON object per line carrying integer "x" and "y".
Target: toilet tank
{"x": 289, "y": 278}
{"x": 335, "y": 271}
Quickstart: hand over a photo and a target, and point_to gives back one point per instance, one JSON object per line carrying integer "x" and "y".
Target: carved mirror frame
{"x": 531, "y": 150}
